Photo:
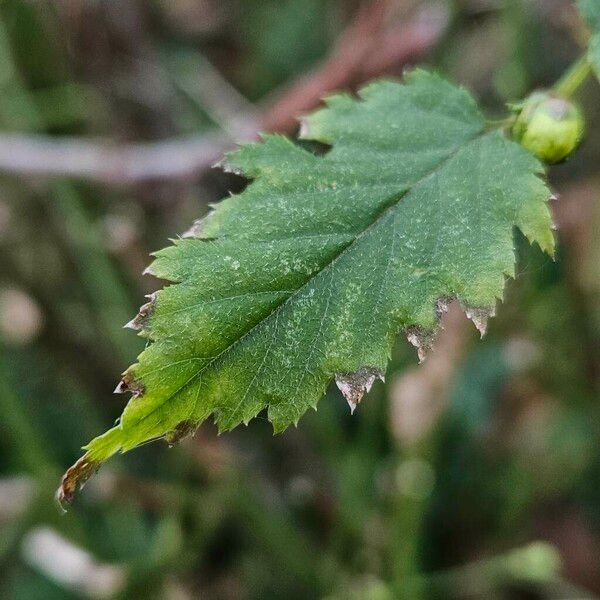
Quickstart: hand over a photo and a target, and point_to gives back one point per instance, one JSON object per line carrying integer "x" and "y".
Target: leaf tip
{"x": 121, "y": 388}
{"x": 74, "y": 479}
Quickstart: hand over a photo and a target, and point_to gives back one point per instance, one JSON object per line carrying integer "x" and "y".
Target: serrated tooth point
{"x": 421, "y": 340}
{"x": 480, "y": 317}
{"x": 196, "y": 228}
{"x": 355, "y": 385}
{"x": 121, "y": 388}
{"x": 133, "y": 324}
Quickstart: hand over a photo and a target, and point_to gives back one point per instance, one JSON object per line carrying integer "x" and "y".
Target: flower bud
{"x": 548, "y": 126}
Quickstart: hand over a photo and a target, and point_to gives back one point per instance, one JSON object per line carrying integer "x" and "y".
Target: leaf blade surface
{"x": 309, "y": 274}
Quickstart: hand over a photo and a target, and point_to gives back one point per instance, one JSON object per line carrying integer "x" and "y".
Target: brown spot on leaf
{"x": 75, "y": 479}
{"x": 127, "y": 384}
{"x": 182, "y": 431}
{"x": 355, "y": 385}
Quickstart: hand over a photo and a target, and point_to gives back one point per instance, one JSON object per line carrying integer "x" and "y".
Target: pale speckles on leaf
{"x": 355, "y": 385}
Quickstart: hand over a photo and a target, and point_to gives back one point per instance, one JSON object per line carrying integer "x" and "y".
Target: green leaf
{"x": 590, "y": 9}
{"x": 311, "y": 272}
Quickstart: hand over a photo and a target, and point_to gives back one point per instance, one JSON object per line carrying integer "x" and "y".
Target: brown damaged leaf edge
{"x": 139, "y": 322}
{"x": 355, "y": 385}
{"x": 77, "y": 475}
{"x": 127, "y": 384}
{"x": 184, "y": 430}
{"x": 75, "y": 479}
{"x": 423, "y": 340}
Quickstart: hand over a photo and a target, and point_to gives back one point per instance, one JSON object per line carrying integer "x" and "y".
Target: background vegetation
{"x": 475, "y": 475}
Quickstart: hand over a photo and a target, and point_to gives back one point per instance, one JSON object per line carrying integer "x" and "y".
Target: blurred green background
{"x": 475, "y": 475}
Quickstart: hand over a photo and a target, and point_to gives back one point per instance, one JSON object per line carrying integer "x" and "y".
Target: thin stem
{"x": 572, "y": 80}
{"x": 504, "y": 123}
{"x": 565, "y": 87}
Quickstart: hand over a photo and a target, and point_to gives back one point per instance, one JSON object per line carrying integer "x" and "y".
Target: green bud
{"x": 548, "y": 126}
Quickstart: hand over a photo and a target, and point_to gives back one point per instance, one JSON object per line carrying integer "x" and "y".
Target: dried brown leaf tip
{"x": 140, "y": 321}
{"x": 75, "y": 479}
{"x": 422, "y": 340}
{"x": 480, "y": 317}
{"x": 355, "y": 385}
{"x": 129, "y": 385}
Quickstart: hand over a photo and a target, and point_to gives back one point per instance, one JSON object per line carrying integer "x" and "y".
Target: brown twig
{"x": 367, "y": 48}
{"x": 336, "y": 72}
